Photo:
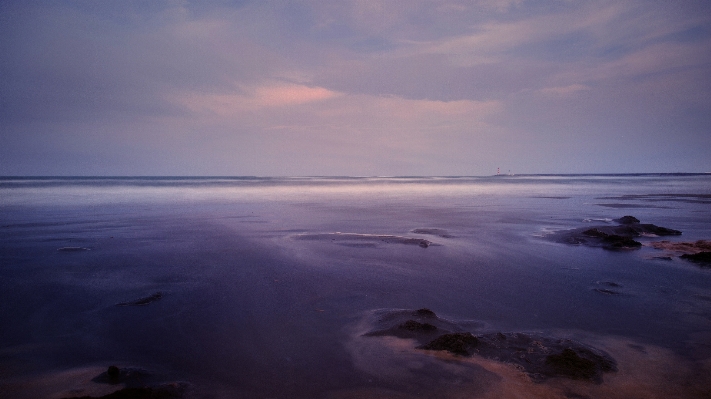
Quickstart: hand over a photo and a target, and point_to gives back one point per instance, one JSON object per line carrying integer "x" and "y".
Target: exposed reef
{"x": 355, "y": 239}
{"x": 541, "y": 357}
{"x": 698, "y": 252}
{"x": 142, "y": 301}
{"x": 615, "y": 237}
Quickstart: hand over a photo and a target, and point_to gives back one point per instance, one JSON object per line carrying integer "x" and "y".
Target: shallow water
{"x": 261, "y": 298}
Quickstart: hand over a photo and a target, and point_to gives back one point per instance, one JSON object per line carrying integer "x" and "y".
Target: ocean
{"x": 253, "y": 287}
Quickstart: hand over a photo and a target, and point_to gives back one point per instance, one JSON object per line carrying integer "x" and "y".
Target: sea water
{"x": 267, "y": 284}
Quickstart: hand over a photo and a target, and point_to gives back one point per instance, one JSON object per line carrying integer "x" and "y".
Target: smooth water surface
{"x": 265, "y": 282}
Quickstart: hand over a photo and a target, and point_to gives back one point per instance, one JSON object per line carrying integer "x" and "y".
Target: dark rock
{"x": 422, "y": 325}
{"x": 571, "y": 364}
{"x": 609, "y": 283}
{"x": 627, "y": 220}
{"x": 143, "y": 301}
{"x": 424, "y": 312}
{"x": 531, "y": 353}
{"x": 618, "y": 237}
{"x": 703, "y": 258}
{"x": 595, "y": 233}
{"x": 627, "y": 231}
{"x": 660, "y": 231}
{"x": 457, "y": 343}
{"x": 412, "y": 325}
{"x": 620, "y": 242}
{"x": 113, "y": 373}
{"x": 129, "y": 376}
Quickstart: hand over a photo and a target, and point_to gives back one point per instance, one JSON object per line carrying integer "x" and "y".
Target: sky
{"x": 354, "y": 87}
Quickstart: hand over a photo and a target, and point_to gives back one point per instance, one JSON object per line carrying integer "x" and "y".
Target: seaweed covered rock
{"x": 698, "y": 251}
{"x": 457, "y": 343}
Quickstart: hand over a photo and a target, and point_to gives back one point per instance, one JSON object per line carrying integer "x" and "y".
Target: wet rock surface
{"x": 541, "y": 357}
{"x": 619, "y": 237}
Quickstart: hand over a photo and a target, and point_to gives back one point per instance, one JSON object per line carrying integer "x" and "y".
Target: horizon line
{"x": 347, "y": 176}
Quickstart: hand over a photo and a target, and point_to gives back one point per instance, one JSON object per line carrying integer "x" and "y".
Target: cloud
{"x": 424, "y": 83}
{"x": 564, "y": 90}
{"x": 251, "y": 98}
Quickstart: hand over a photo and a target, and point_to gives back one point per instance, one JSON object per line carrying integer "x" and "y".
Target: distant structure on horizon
{"x": 498, "y": 172}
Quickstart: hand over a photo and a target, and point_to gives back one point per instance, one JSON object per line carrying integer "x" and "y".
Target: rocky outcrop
{"x": 614, "y": 237}
{"x": 698, "y": 252}
{"x": 540, "y": 356}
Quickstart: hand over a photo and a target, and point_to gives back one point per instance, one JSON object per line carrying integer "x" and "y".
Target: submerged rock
{"x": 357, "y": 239}
{"x": 143, "y": 301}
{"x": 433, "y": 232}
{"x": 72, "y": 249}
